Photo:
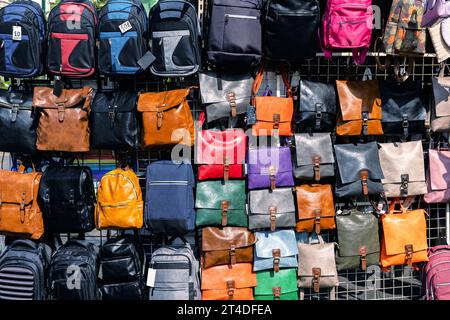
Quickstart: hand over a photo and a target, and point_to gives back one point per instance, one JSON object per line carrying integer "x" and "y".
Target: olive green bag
{"x": 221, "y": 203}
{"x": 281, "y": 285}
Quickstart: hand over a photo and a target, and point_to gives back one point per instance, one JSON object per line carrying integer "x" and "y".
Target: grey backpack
{"x": 176, "y": 273}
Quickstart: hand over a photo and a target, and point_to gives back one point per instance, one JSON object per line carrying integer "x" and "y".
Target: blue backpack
{"x": 122, "y": 33}
{"x": 22, "y": 36}
{"x": 169, "y": 200}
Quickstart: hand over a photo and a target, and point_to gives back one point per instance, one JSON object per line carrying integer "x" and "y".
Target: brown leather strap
{"x": 316, "y": 279}
{"x": 276, "y": 259}
{"x": 273, "y": 217}
{"x": 230, "y": 289}
{"x": 365, "y": 124}
{"x": 159, "y": 119}
{"x": 409, "y": 254}
{"x": 363, "y": 254}
{"x": 224, "y": 205}
{"x": 61, "y": 112}
{"x": 404, "y": 185}
{"x": 226, "y": 168}
{"x": 231, "y": 98}
{"x": 316, "y": 161}
{"x": 276, "y": 293}
{"x": 232, "y": 254}
{"x": 317, "y": 214}
{"x": 22, "y": 207}
{"x": 364, "y": 174}
{"x": 272, "y": 177}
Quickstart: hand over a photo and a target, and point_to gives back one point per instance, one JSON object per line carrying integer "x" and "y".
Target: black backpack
{"x": 122, "y": 37}
{"x": 290, "y": 29}
{"x": 72, "y": 274}
{"x": 234, "y": 34}
{"x": 71, "y": 38}
{"x": 23, "y": 267}
{"x": 175, "y": 38}
{"x": 67, "y": 199}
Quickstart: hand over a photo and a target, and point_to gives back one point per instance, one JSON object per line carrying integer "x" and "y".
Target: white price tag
{"x": 124, "y": 27}
{"x": 339, "y": 212}
{"x": 151, "y": 275}
{"x": 17, "y": 33}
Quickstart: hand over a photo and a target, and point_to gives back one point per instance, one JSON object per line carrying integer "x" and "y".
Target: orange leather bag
{"x": 234, "y": 282}
{"x": 273, "y": 114}
{"x": 404, "y": 237}
{"x": 20, "y": 214}
{"x": 315, "y": 208}
{"x": 119, "y": 201}
{"x": 167, "y": 118}
{"x": 360, "y": 108}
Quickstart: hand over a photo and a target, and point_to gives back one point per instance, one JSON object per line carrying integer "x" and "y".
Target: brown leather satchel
{"x": 360, "y": 108}
{"x": 228, "y": 245}
{"x": 19, "y": 210}
{"x": 315, "y": 208}
{"x": 167, "y": 118}
{"x": 63, "y": 122}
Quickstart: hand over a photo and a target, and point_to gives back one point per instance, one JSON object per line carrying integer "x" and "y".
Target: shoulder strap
{"x": 259, "y": 77}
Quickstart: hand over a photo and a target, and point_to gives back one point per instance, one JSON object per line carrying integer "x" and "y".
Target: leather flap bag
{"x": 225, "y": 95}
{"x": 317, "y": 107}
{"x": 167, "y": 118}
{"x": 314, "y": 156}
{"x": 280, "y": 285}
{"x": 315, "y": 208}
{"x": 63, "y": 121}
{"x": 221, "y": 203}
{"x": 273, "y": 114}
{"x": 271, "y": 209}
{"x": 20, "y": 214}
{"x": 359, "y": 243}
{"x": 275, "y": 250}
{"x": 360, "y": 108}
{"x": 17, "y": 119}
{"x": 403, "y": 110}
{"x": 439, "y": 114}
{"x": 403, "y": 169}
{"x": 404, "y": 237}
{"x": 359, "y": 170}
{"x": 228, "y": 245}
{"x": 437, "y": 180}
{"x": 269, "y": 167}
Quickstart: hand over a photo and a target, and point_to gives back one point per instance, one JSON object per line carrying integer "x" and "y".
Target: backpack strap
{"x": 359, "y": 55}
{"x": 259, "y": 77}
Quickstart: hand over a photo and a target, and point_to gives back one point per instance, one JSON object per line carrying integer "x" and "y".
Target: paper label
{"x": 151, "y": 275}
{"x": 124, "y": 27}
{"x": 17, "y": 33}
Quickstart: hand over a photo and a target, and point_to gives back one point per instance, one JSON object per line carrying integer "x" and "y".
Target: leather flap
{"x": 441, "y": 94}
{"x": 215, "y": 239}
{"x": 281, "y": 198}
{"x": 308, "y": 146}
{"x": 17, "y": 188}
{"x": 314, "y": 197}
{"x": 213, "y": 146}
{"x": 439, "y": 169}
{"x": 214, "y": 87}
{"x": 260, "y": 160}
{"x": 267, "y": 106}
{"x": 316, "y": 95}
{"x": 286, "y": 279}
{"x": 355, "y": 230}
{"x": 356, "y": 96}
{"x": 353, "y": 158}
{"x": 43, "y": 97}
{"x": 114, "y": 101}
{"x": 316, "y": 256}
{"x": 401, "y": 229}
{"x": 210, "y": 194}
{"x": 10, "y": 99}
{"x": 161, "y": 101}
{"x": 215, "y": 278}
{"x": 284, "y": 240}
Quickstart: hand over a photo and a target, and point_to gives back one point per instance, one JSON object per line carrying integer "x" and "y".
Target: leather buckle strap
{"x": 405, "y": 125}
{"x": 224, "y": 205}
{"x": 226, "y": 168}
{"x": 231, "y": 97}
{"x": 14, "y": 112}
{"x": 276, "y": 121}
{"x": 404, "y": 185}
{"x": 60, "y": 112}
{"x": 316, "y": 160}
{"x": 276, "y": 293}
{"x": 365, "y": 119}
{"x": 230, "y": 289}
{"x": 364, "y": 174}
{"x": 363, "y": 254}
{"x": 276, "y": 259}
{"x": 409, "y": 254}
{"x": 22, "y": 208}
{"x": 112, "y": 114}
{"x": 318, "y": 115}
{"x": 159, "y": 119}
{"x": 317, "y": 214}
{"x": 316, "y": 279}
{"x": 273, "y": 217}
{"x": 272, "y": 177}
{"x": 232, "y": 254}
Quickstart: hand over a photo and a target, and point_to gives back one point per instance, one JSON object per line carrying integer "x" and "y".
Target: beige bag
{"x": 440, "y": 47}
{"x": 403, "y": 169}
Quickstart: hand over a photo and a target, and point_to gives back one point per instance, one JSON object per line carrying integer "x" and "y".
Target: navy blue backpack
{"x": 169, "y": 200}
{"x": 122, "y": 33}
{"x": 22, "y": 36}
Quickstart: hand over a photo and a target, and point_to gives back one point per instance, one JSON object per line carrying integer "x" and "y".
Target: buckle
{"x": 231, "y": 97}
{"x": 364, "y": 174}
{"x": 405, "y": 125}
{"x": 159, "y": 119}
{"x": 14, "y": 112}
{"x": 224, "y": 205}
{"x": 272, "y": 217}
{"x": 276, "y": 293}
{"x": 232, "y": 254}
{"x": 409, "y": 254}
{"x": 317, "y": 213}
{"x": 22, "y": 208}
{"x": 60, "y": 112}
{"x": 230, "y": 289}
{"x": 404, "y": 185}
{"x": 316, "y": 160}
{"x": 318, "y": 115}
{"x": 276, "y": 120}
{"x": 363, "y": 253}
{"x": 316, "y": 279}
{"x": 272, "y": 177}
{"x": 365, "y": 118}
{"x": 226, "y": 168}
{"x": 276, "y": 259}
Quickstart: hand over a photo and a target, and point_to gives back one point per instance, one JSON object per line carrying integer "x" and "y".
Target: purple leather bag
{"x": 438, "y": 178}
{"x": 435, "y": 10}
{"x": 269, "y": 167}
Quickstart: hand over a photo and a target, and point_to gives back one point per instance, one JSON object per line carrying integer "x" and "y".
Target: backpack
{"x": 73, "y": 270}
{"x": 71, "y": 38}
{"x": 122, "y": 37}
{"x": 121, "y": 273}
{"x": 169, "y": 200}
{"x": 234, "y": 35}
{"x": 436, "y": 273}
{"x": 290, "y": 29}
{"x": 176, "y": 274}
{"x": 175, "y": 38}
{"x": 23, "y": 267}
{"x": 435, "y": 10}
{"x": 22, "y": 34}
{"x": 347, "y": 24}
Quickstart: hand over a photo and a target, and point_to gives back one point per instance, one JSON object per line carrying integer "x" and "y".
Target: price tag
{"x": 17, "y": 33}
{"x": 124, "y": 27}
{"x": 151, "y": 275}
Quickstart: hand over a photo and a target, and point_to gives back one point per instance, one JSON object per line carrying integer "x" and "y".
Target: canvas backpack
{"x": 175, "y": 36}
{"x": 23, "y": 267}
{"x": 22, "y": 35}
{"x": 347, "y": 24}
{"x": 71, "y": 38}
{"x": 122, "y": 37}
{"x": 436, "y": 273}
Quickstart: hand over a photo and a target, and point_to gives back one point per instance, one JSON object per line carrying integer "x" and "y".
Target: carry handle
{"x": 24, "y": 243}
{"x": 318, "y": 237}
{"x": 259, "y": 77}
{"x": 403, "y": 206}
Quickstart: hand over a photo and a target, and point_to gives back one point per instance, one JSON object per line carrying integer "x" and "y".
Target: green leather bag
{"x": 281, "y": 285}
{"x": 221, "y": 203}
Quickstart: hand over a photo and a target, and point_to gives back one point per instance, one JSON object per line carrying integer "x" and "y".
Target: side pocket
{"x": 174, "y": 50}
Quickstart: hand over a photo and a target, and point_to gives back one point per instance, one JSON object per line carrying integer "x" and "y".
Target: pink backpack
{"x": 436, "y": 274}
{"x": 347, "y": 24}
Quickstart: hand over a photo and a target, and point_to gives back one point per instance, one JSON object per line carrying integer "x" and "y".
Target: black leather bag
{"x": 67, "y": 199}
{"x": 316, "y": 110}
{"x": 18, "y": 122}
{"x": 113, "y": 120}
{"x": 402, "y": 108}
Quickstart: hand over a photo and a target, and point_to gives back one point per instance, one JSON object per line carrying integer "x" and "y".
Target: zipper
{"x": 443, "y": 284}
{"x": 126, "y": 178}
{"x": 175, "y": 254}
{"x": 352, "y": 22}
{"x": 114, "y": 206}
{"x": 240, "y": 16}
{"x": 168, "y": 182}
{"x": 352, "y": 5}
{"x": 429, "y": 284}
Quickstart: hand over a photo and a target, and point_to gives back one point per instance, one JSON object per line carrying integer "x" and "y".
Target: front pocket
{"x": 350, "y": 32}
{"x": 119, "y": 53}
{"x": 170, "y": 291}
{"x": 16, "y": 57}
{"x": 241, "y": 34}
{"x": 119, "y": 269}
{"x": 410, "y": 40}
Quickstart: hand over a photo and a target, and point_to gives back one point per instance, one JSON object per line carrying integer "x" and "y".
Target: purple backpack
{"x": 436, "y": 274}
{"x": 435, "y": 10}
